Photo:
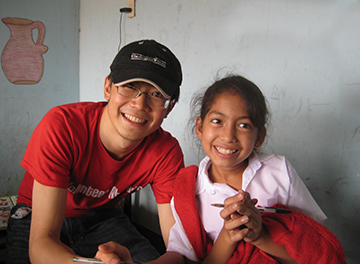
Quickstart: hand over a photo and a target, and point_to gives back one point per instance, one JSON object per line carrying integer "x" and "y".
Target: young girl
{"x": 231, "y": 125}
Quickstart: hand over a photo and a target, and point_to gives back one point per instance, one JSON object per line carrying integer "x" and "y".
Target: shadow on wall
{"x": 338, "y": 196}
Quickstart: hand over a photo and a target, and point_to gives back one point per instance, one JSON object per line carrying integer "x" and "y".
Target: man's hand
{"x": 113, "y": 253}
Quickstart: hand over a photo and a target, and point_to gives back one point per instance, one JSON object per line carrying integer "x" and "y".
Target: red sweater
{"x": 306, "y": 240}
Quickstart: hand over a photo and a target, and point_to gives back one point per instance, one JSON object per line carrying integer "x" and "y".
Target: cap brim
{"x": 164, "y": 85}
{"x": 147, "y": 81}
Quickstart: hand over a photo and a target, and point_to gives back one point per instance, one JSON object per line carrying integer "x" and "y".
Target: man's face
{"x": 132, "y": 118}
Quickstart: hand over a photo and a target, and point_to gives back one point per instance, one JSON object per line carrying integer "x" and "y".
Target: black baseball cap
{"x": 147, "y": 61}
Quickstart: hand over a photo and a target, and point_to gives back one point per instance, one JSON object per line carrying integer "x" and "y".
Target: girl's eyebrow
{"x": 216, "y": 113}
{"x": 222, "y": 114}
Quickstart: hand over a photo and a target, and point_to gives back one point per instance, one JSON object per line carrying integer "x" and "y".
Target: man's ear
{"x": 107, "y": 88}
{"x": 260, "y": 139}
{"x": 171, "y": 106}
{"x": 198, "y": 127}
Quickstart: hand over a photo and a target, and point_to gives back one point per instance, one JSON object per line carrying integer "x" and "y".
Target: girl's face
{"x": 227, "y": 134}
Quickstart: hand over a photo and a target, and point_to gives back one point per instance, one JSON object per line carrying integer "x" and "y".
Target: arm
{"x": 231, "y": 233}
{"x": 222, "y": 249}
{"x": 48, "y": 210}
{"x": 266, "y": 244}
{"x": 166, "y": 220}
{"x": 113, "y": 253}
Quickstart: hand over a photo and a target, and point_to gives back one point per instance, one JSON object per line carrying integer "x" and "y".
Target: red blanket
{"x": 306, "y": 240}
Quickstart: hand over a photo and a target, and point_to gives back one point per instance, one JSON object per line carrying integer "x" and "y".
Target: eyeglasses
{"x": 155, "y": 99}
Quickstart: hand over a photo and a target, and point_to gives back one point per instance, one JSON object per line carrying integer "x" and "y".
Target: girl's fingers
{"x": 235, "y": 225}
{"x": 229, "y": 209}
{"x": 236, "y": 221}
{"x": 235, "y": 199}
{"x": 238, "y": 234}
{"x": 234, "y": 205}
{"x": 241, "y": 218}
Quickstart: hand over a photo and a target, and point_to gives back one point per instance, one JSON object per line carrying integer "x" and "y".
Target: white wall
{"x": 304, "y": 55}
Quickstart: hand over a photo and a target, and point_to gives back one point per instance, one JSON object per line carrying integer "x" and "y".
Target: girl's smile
{"x": 225, "y": 151}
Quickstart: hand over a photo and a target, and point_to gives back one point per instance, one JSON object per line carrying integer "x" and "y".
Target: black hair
{"x": 255, "y": 100}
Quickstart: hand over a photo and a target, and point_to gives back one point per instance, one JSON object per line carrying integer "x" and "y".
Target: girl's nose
{"x": 228, "y": 134}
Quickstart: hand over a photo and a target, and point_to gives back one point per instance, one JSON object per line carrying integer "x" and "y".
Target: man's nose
{"x": 141, "y": 102}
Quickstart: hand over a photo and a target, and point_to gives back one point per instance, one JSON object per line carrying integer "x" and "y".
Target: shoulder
{"x": 162, "y": 153}
{"x": 162, "y": 140}
{"x": 268, "y": 158}
{"x": 68, "y": 122}
{"x": 77, "y": 109}
{"x": 161, "y": 134}
{"x": 270, "y": 163}
{"x": 185, "y": 180}
{"x": 188, "y": 172}
{"x": 73, "y": 115}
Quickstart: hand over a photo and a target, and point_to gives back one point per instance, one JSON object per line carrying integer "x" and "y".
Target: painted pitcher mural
{"x": 21, "y": 59}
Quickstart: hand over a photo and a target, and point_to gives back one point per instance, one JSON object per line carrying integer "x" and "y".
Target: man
{"x": 84, "y": 157}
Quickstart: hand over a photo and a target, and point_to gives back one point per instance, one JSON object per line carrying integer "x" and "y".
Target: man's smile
{"x": 134, "y": 119}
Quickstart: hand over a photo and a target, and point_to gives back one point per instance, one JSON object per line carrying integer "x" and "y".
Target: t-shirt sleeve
{"x": 165, "y": 173}
{"x": 178, "y": 240}
{"x": 48, "y": 155}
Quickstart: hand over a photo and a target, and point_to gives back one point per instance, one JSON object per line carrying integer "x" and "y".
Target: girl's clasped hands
{"x": 242, "y": 220}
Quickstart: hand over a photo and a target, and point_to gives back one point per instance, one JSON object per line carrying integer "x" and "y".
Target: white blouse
{"x": 269, "y": 178}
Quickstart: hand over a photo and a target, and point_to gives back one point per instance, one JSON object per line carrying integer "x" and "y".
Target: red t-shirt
{"x": 65, "y": 151}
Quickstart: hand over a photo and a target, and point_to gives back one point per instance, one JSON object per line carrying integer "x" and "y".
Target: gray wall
{"x": 22, "y": 106}
{"x": 304, "y": 55}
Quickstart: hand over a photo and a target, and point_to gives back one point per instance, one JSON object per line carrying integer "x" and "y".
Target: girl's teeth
{"x": 225, "y": 151}
{"x": 135, "y": 119}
